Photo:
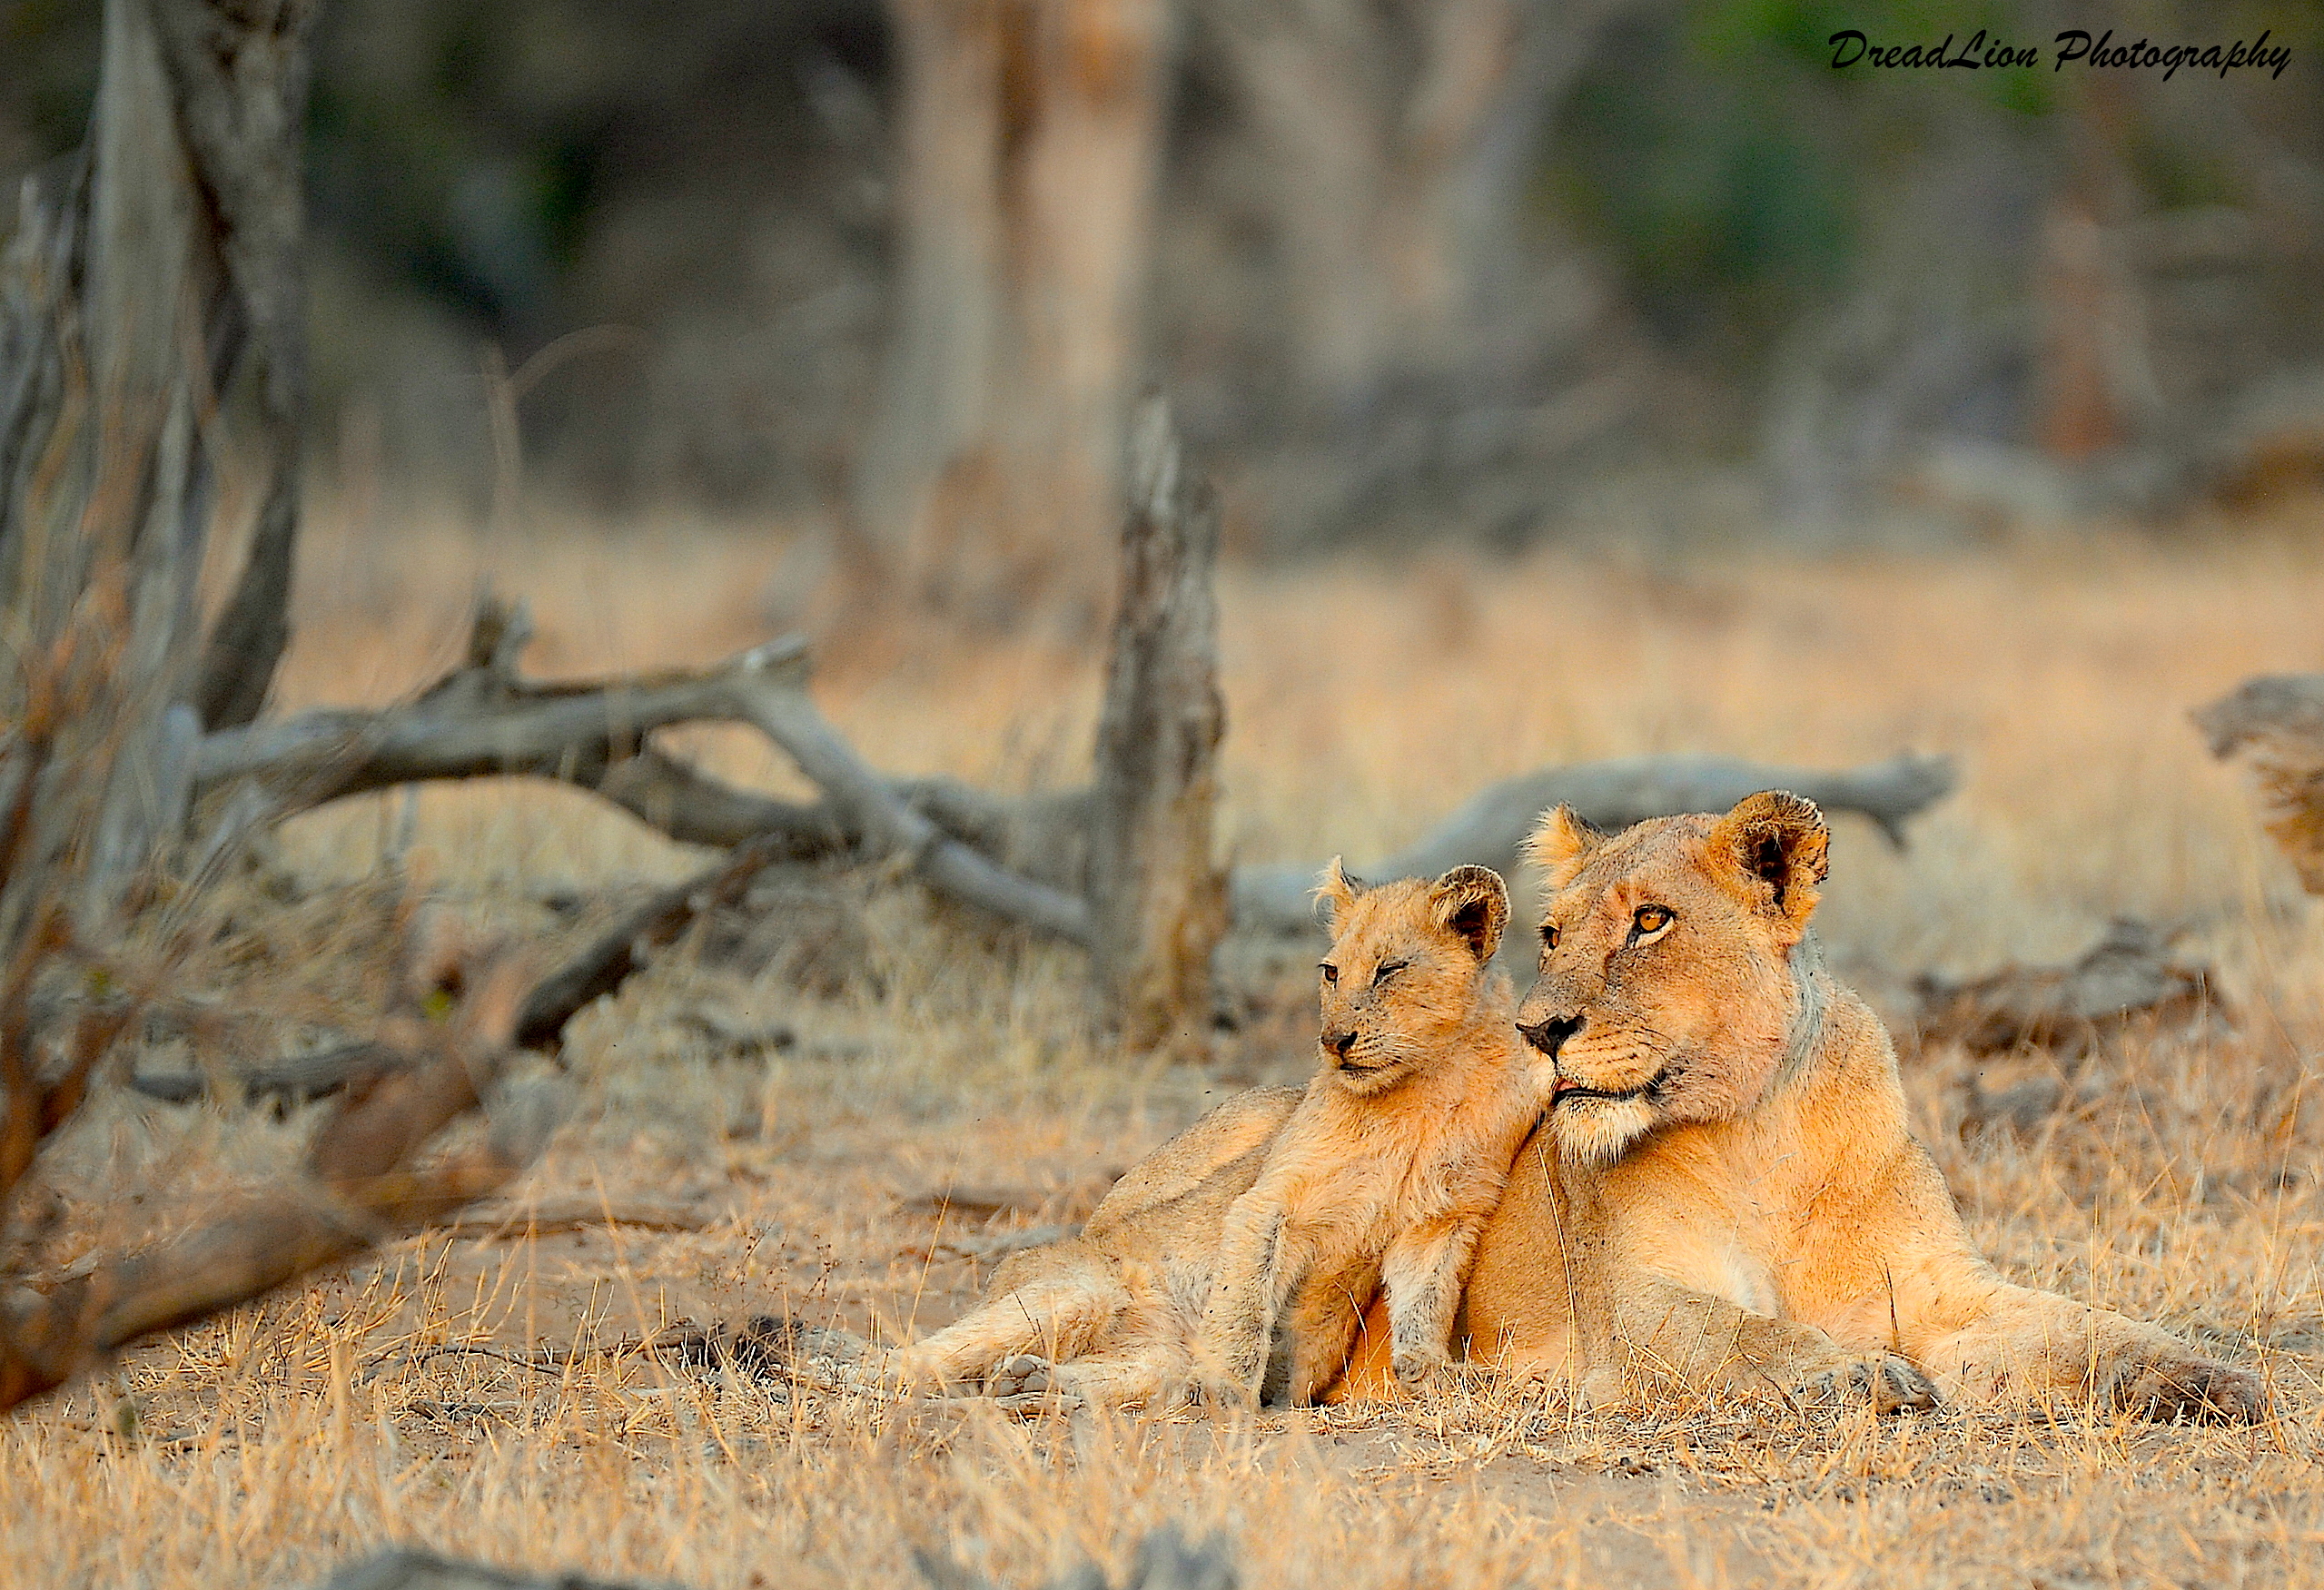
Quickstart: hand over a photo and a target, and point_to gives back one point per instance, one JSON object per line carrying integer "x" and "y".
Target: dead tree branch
{"x": 365, "y": 1179}
{"x": 608, "y": 962}
{"x": 483, "y": 719}
{"x": 600, "y": 968}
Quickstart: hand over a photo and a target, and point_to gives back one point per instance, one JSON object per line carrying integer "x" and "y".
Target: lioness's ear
{"x": 1337, "y": 890}
{"x": 1780, "y": 840}
{"x": 1560, "y": 843}
{"x": 1473, "y": 903}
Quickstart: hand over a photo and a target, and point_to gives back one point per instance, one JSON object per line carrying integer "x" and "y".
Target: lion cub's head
{"x": 1666, "y": 993}
{"x": 1407, "y": 970}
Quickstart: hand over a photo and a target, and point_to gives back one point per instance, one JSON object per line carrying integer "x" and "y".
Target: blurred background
{"x": 1467, "y": 269}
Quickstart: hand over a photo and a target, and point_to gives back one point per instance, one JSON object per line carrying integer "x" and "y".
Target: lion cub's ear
{"x": 1560, "y": 843}
{"x": 1781, "y": 840}
{"x": 1473, "y": 903}
{"x": 1337, "y": 891}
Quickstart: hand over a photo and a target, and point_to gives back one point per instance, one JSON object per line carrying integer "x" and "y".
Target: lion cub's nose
{"x": 1550, "y": 1036}
{"x": 1340, "y": 1043}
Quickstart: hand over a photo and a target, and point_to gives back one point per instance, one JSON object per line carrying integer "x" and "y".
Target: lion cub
{"x": 1232, "y": 1262}
{"x": 1395, "y": 1158}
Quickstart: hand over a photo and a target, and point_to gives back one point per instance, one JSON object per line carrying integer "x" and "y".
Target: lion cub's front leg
{"x": 1422, "y": 1273}
{"x": 1239, "y": 1322}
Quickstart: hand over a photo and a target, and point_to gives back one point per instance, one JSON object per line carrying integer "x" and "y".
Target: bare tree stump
{"x": 1157, "y": 899}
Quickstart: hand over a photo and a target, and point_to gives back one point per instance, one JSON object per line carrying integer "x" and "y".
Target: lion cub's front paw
{"x": 1421, "y": 1372}
{"x": 1210, "y": 1388}
{"x": 1889, "y": 1383}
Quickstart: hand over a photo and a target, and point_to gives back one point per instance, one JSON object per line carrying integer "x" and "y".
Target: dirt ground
{"x": 856, "y": 1124}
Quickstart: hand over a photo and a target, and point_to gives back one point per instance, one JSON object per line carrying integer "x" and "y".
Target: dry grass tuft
{"x": 2178, "y": 1178}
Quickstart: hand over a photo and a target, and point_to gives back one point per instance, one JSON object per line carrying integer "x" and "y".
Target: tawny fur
{"x": 1233, "y": 1262}
{"x": 1725, "y": 1192}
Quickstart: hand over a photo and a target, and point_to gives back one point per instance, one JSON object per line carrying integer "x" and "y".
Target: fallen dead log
{"x": 1490, "y": 829}
{"x": 1026, "y": 861}
{"x": 2128, "y": 975}
{"x": 2277, "y": 723}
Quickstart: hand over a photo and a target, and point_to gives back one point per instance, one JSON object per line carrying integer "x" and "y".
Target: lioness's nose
{"x": 1340, "y": 1043}
{"x": 1550, "y": 1036}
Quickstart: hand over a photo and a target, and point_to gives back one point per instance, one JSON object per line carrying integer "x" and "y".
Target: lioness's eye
{"x": 1387, "y": 969}
{"x": 1651, "y": 919}
{"x": 1331, "y": 973}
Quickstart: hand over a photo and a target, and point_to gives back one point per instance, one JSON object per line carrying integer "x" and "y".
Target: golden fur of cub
{"x": 1232, "y": 1263}
{"x": 1726, "y": 1193}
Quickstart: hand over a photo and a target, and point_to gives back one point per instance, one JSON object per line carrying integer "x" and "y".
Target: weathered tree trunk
{"x": 240, "y": 73}
{"x": 1157, "y": 899}
{"x": 132, "y": 297}
{"x": 1030, "y": 137}
{"x": 944, "y": 347}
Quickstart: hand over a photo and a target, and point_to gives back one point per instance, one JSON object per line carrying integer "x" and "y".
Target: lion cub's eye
{"x": 1651, "y": 921}
{"x": 1387, "y": 969}
{"x": 1331, "y": 973}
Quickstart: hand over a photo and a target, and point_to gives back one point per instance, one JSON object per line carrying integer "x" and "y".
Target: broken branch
{"x": 363, "y": 1180}
{"x": 1490, "y": 829}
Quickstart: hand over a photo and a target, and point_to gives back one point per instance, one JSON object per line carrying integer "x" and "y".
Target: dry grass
{"x": 1363, "y": 701}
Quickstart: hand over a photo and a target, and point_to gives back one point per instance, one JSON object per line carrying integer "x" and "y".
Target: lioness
{"x": 1232, "y": 1262}
{"x": 1725, "y": 1191}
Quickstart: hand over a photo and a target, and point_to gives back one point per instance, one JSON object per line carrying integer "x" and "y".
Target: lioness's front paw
{"x": 2168, "y": 1387}
{"x": 1887, "y": 1381}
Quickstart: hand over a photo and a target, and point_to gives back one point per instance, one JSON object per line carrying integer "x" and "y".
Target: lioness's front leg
{"x": 1664, "y": 1332}
{"x": 1239, "y": 1322}
{"x": 2022, "y": 1345}
{"x": 1422, "y": 1274}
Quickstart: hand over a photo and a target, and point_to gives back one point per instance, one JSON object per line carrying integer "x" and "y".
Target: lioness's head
{"x": 1406, "y": 971}
{"x": 1666, "y": 993}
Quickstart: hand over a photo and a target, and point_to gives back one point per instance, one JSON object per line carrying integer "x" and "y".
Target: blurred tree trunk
{"x": 1400, "y": 136}
{"x": 2095, "y": 385}
{"x": 1030, "y": 137}
{"x": 139, "y": 279}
